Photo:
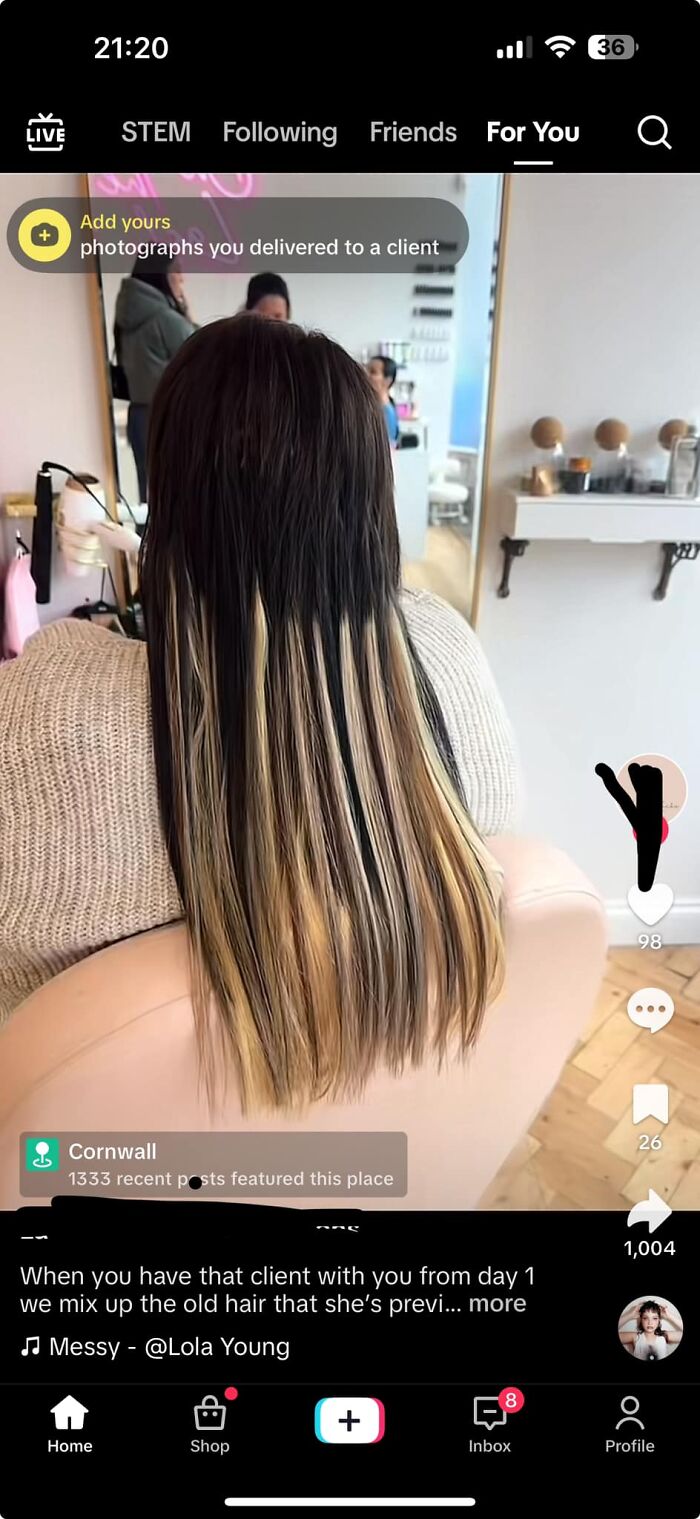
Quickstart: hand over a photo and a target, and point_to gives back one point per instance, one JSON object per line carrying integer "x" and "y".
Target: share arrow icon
{"x": 652, "y": 1211}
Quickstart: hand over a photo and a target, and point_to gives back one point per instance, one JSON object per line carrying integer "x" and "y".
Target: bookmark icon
{"x": 650, "y": 1100}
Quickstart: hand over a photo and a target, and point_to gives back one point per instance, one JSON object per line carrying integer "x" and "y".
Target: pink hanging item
{"x": 21, "y": 618}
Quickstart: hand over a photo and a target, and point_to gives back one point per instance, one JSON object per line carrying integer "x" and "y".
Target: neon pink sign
{"x": 145, "y": 187}
{"x": 207, "y": 187}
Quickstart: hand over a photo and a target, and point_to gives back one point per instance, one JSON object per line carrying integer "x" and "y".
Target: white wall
{"x": 48, "y": 378}
{"x": 601, "y": 317}
{"x": 357, "y": 310}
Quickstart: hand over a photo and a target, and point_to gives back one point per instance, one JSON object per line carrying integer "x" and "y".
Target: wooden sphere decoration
{"x": 546, "y": 432}
{"x": 611, "y": 434}
{"x": 676, "y": 428}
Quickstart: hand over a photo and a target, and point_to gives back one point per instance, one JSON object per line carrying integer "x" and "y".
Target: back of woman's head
{"x": 341, "y": 908}
{"x": 153, "y": 269}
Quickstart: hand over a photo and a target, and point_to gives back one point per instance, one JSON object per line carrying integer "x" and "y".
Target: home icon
{"x": 69, "y": 1413}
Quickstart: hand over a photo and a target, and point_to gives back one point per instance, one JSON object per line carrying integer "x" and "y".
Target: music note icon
{"x": 31, "y": 1343}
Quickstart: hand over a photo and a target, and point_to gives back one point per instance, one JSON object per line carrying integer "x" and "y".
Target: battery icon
{"x": 612, "y": 45}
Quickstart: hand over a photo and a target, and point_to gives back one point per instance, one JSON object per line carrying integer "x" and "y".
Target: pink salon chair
{"x": 108, "y": 1045}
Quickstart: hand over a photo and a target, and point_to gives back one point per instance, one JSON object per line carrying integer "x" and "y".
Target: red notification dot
{"x": 664, "y": 831}
{"x": 230, "y": 1394}
{"x": 511, "y": 1400}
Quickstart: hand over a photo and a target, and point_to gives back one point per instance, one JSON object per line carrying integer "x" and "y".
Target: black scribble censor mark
{"x": 646, "y": 815}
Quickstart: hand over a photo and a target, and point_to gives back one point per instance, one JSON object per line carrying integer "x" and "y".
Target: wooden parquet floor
{"x": 583, "y": 1151}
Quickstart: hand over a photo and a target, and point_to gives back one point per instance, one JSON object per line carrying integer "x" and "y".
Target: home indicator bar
{"x": 350, "y": 1503}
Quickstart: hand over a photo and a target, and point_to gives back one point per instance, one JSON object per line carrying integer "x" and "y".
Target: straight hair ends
{"x": 343, "y": 912}
{"x": 354, "y": 930}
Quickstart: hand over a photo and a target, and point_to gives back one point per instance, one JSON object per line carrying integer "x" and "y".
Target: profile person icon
{"x": 41, "y": 1160}
{"x": 629, "y": 1407}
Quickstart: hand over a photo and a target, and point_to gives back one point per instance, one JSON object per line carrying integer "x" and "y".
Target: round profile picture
{"x": 674, "y": 784}
{"x": 650, "y": 1328}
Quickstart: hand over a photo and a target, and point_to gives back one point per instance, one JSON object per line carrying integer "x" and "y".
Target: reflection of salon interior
{"x": 431, "y": 326}
{"x": 581, "y": 662}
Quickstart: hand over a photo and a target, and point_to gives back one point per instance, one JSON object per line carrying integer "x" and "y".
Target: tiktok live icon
{"x": 46, "y": 134}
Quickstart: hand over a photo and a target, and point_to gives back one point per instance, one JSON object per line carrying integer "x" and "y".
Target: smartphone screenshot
{"x": 349, "y": 763}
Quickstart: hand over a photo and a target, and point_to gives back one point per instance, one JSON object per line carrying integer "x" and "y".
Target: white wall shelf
{"x": 671, "y": 521}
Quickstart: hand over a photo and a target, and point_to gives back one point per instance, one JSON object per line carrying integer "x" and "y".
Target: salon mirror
{"x": 426, "y": 336}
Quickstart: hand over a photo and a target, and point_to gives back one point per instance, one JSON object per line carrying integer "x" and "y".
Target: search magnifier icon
{"x": 653, "y": 131}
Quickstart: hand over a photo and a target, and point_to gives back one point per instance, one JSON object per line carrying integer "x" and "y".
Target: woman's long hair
{"x": 342, "y": 910}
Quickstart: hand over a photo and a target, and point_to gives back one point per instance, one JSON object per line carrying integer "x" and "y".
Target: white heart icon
{"x": 651, "y": 906}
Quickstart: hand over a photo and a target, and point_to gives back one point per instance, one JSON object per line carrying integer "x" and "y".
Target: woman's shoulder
{"x": 72, "y": 677}
{"x": 438, "y": 630}
{"x": 78, "y": 644}
{"x": 174, "y": 324}
{"x": 451, "y": 656}
{"x": 477, "y": 724}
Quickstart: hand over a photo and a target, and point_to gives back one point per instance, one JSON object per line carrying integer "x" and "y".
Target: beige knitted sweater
{"x": 82, "y": 858}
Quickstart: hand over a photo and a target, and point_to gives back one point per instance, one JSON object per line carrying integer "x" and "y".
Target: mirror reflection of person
{"x": 151, "y": 322}
{"x": 268, "y": 295}
{"x": 382, "y": 374}
{"x": 650, "y": 1340}
{"x": 300, "y": 760}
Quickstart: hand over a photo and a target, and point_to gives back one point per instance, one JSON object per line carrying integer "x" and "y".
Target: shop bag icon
{"x": 210, "y": 1414}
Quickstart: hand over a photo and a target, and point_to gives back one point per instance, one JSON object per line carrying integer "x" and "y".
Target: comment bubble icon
{"x": 487, "y": 1412}
{"x": 650, "y": 1008}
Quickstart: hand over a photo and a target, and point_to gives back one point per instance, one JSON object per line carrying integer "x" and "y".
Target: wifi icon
{"x": 560, "y": 45}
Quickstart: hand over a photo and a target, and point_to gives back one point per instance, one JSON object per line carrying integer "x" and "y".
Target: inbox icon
{"x": 349, "y": 1421}
{"x": 488, "y": 1411}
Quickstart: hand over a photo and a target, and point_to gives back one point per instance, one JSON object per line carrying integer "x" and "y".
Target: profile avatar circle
{"x": 650, "y": 1329}
{"x": 44, "y": 235}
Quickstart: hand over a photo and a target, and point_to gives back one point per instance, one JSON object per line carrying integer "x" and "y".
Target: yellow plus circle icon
{"x": 44, "y": 235}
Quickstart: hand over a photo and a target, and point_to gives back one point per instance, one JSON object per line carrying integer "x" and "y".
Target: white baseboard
{"x": 682, "y": 926}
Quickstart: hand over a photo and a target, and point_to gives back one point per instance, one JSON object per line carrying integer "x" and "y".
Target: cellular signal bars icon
{"x": 516, "y": 49}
